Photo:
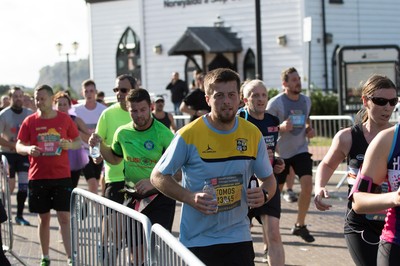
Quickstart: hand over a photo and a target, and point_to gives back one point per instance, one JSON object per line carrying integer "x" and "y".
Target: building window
{"x": 128, "y": 54}
{"x": 249, "y": 65}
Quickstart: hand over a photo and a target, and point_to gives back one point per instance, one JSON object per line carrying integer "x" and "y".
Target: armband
{"x": 363, "y": 184}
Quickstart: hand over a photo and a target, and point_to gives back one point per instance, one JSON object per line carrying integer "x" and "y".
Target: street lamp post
{"x": 59, "y": 47}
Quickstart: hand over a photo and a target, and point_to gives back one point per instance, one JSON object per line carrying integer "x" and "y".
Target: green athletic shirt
{"x": 109, "y": 121}
{"x": 141, "y": 150}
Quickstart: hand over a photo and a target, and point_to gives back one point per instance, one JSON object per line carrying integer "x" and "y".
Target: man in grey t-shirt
{"x": 10, "y": 120}
{"x": 293, "y": 110}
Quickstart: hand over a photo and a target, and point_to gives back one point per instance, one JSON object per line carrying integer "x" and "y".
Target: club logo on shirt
{"x": 149, "y": 145}
{"x": 241, "y": 144}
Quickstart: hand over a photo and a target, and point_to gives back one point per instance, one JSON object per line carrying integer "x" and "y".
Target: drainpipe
{"x": 324, "y": 45}
{"x": 259, "y": 69}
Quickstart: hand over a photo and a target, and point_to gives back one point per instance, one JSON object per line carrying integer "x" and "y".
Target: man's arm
{"x": 105, "y": 150}
{"x": 171, "y": 119}
{"x": 168, "y": 185}
{"x": 256, "y": 196}
{"x": 26, "y": 149}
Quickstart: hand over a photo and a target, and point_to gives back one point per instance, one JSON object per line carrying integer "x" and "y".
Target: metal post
{"x": 259, "y": 69}
{"x": 68, "y": 74}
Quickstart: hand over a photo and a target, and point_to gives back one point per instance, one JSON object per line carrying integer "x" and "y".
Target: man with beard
{"x": 293, "y": 110}
{"x": 219, "y": 152}
{"x": 139, "y": 145}
{"x": 10, "y": 121}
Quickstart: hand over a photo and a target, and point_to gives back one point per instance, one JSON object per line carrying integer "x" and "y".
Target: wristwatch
{"x": 265, "y": 196}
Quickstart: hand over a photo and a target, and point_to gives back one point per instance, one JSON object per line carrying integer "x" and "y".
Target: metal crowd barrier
{"x": 5, "y": 195}
{"x": 104, "y": 232}
{"x": 167, "y": 250}
{"x": 325, "y": 128}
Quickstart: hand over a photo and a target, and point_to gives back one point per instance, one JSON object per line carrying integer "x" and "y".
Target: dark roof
{"x": 197, "y": 40}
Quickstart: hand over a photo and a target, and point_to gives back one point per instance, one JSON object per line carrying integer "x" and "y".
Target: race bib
{"x": 228, "y": 190}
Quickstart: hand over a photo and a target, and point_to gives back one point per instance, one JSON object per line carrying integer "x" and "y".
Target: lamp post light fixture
{"x": 75, "y": 46}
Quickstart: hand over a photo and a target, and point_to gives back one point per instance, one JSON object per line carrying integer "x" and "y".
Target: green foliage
{"x": 4, "y": 89}
{"x": 272, "y": 92}
{"x": 324, "y": 103}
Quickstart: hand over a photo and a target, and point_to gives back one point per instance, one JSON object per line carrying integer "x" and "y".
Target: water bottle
{"x": 209, "y": 189}
{"x": 94, "y": 151}
{"x": 253, "y": 182}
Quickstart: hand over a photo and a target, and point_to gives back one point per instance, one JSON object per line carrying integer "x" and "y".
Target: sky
{"x": 29, "y": 32}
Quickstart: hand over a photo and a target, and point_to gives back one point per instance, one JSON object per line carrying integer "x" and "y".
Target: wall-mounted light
{"x": 281, "y": 40}
{"x": 157, "y": 49}
{"x": 219, "y": 23}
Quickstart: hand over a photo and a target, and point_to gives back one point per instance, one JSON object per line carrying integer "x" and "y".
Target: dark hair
{"x": 88, "y": 82}
{"x": 13, "y": 89}
{"x": 220, "y": 75}
{"x": 131, "y": 80}
{"x": 285, "y": 73}
{"x": 100, "y": 94}
{"x": 45, "y": 87}
{"x": 138, "y": 95}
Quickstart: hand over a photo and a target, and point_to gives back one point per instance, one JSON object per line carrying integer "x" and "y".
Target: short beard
{"x": 226, "y": 120}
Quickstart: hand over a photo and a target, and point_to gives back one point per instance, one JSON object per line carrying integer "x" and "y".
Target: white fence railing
{"x": 7, "y": 235}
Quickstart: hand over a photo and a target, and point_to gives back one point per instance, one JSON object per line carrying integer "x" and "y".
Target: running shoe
{"x": 265, "y": 256}
{"x": 45, "y": 262}
{"x": 290, "y": 196}
{"x": 303, "y": 232}
{"x": 21, "y": 221}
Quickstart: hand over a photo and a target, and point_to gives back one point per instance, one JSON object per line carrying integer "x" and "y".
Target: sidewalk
{"x": 329, "y": 247}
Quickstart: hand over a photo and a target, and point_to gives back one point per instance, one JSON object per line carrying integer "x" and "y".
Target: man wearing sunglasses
{"x": 114, "y": 116}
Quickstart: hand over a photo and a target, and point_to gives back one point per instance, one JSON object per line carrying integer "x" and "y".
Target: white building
{"x": 153, "y": 38}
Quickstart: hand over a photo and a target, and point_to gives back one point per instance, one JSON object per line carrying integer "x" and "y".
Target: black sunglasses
{"x": 123, "y": 90}
{"x": 383, "y": 101}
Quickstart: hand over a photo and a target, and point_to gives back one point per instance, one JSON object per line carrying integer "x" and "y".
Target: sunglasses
{"x": 123, "y": 90}
{"x": 383, "y": 101}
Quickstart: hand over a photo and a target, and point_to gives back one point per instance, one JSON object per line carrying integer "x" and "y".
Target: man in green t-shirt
{"x": 113, "y": 117}
{"x": 140, "y": 144}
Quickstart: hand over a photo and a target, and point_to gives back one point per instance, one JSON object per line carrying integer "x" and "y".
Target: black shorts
{"x": 271, "y": 208}
{"x": 235, "y": 254}
{"x": 16, "y": 163}
{"x": 92, "y": 170}
{"x": 113, "y": 191}
{"x": 160, "y": 210}
{"x": 301, "y": 163}
{"x": 47, "y": 194}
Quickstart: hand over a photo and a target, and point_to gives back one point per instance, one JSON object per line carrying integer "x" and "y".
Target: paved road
{"x": 329, "y": 247}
